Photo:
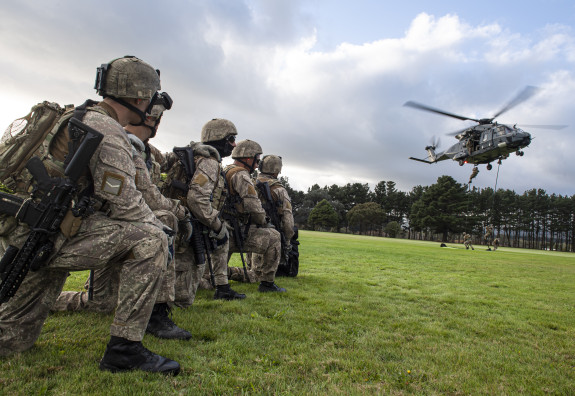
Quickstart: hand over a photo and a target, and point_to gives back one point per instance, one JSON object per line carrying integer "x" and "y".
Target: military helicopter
{"x": 486, "y": 142}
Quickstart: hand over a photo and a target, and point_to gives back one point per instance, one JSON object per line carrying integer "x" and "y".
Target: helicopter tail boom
{"x": 421, "y": 160}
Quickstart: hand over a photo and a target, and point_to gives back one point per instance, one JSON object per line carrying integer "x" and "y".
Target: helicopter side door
{"x": 486, "y": 142}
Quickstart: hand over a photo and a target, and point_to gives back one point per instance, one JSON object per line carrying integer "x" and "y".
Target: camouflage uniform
{"x": 106, "y": 280}
{"x": 488, "y": 236}
{"x": 156, "y": 162}
{"x": 495, "y": 243}
{"x": 283, "y": 206}
{"x": 123, "y": 229}
{"x": 259, "y": 238}
{"x": 467, "y": 241}
{"x": 205, "y": 200}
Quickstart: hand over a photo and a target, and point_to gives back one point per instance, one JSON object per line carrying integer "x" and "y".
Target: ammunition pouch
{"x": 70, "y": 224}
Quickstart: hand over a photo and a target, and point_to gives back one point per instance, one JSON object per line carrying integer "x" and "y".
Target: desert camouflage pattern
{"x": 130, "y": 77}
{"x": 106, "y": 283}
{"x": 467, "y": 241}
{"x": 246, "y": 149}
{"x": 259, "y": 238}
{"x": 203, "y": 200}
{"x": 106, "y": 280}
{"x": 241, "y": 185}
{"x": 217, "y": 129}
{"x": 151, "y": 193}
{"x": 158, "y": 160}
{"x": 124, "y": 231}
{"x": 271, "y": 164}
{"x": 206, "y": 196}
{"x": 283, "y": 200}
{"x": 188, "y": 275}
{"x": 237, "y": 273}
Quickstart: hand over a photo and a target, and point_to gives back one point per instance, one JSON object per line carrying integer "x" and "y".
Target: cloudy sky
{"x": 319, "y": 82}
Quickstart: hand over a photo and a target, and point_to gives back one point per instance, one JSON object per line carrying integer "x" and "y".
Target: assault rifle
{"x": 230, "y": 214}
{"x": 50, "y": 201}
{"x": 270, "y": 206}
{"x": 200, "y": 240}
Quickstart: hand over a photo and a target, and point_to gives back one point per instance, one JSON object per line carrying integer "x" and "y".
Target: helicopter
{"x": 485, "y": 142}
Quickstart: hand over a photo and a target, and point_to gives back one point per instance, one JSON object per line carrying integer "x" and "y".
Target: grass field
{"x": 365, "y": 316}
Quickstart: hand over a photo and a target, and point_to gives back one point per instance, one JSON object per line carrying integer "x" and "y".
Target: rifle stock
{"x": 230, "y": 214}
{"x": 200, "y": 241}
{"x": 51, "y": 199}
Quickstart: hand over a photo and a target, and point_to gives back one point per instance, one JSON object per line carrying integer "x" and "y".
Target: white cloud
{"x": 334, "y": 116}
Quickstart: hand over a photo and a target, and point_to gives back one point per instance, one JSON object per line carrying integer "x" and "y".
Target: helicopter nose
{"x": 523, "y": 138}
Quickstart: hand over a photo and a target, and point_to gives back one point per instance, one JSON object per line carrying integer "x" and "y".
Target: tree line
{"x": 440, "y": 212}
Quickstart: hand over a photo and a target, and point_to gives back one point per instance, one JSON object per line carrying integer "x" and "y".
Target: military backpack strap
{"x": 229, "y": 172}
{"x": 185, "y": 156}
{"x": 76, "y": 135}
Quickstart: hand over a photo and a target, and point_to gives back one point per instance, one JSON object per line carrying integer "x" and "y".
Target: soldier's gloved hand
{"x": 221, "y": 236}
{"x": 186, "y": 230}
{"x": 168, "y": 231}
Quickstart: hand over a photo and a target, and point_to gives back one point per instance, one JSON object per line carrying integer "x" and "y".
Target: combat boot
{"x": 225, "y": 292}
{"x": 161, "y": 326}
{"x": 125, "y": 355}
{"x": 270, "y": 287}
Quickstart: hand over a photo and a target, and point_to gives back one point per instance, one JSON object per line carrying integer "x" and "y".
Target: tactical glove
{"x": 221, "y": 237}
{"x": 186, "y": 229}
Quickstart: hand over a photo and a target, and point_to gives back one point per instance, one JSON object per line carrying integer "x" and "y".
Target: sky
{"x": 321, "y": 83}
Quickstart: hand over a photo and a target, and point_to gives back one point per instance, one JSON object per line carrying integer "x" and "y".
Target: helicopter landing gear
{"x": 499, "y": 162}
{"x": 461, "y": 162}
{"x": 519, "y": 153}
{"x": 489, "y": 166}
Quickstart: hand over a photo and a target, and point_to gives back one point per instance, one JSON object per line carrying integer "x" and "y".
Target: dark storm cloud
{"x": 335, "y": 116}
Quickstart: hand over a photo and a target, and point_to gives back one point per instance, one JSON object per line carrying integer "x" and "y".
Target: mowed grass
{"x": 365, "y": 316}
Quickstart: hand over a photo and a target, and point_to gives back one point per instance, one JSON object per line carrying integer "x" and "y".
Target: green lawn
{"x": 365, "y": 316}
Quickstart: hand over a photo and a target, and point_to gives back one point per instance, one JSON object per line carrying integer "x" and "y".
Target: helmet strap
{"x": 251, "y": 167}
{"x": 131, "y": 108}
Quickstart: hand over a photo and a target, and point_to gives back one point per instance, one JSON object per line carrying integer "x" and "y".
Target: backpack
{"x": 24, "y": 136}
{"x": 32, "y": 135}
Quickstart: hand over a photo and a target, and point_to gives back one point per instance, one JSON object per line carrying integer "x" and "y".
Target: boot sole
{"x": 114, "y": 369}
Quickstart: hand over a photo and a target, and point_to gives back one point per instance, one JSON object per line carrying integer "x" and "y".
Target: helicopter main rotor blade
{"x": 527, "y": 93}
{"x": 420, "y": 106}
{"x": 554, "y": 127}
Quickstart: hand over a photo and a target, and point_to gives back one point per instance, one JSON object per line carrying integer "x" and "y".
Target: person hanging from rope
{"x": 474, "y": 174}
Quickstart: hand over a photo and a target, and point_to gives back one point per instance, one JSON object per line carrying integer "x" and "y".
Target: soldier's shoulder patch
{"x": 251, "y": 190}
{"x": 112, "y": 183}
{"x": 200, "y": 179}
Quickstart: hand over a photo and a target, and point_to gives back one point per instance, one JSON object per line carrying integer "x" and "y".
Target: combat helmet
{"x": 271, "y": 164}
{"x": 217, "y": 129}
{"x": 246, "y": 149}
{"x": 127, "y": 77}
